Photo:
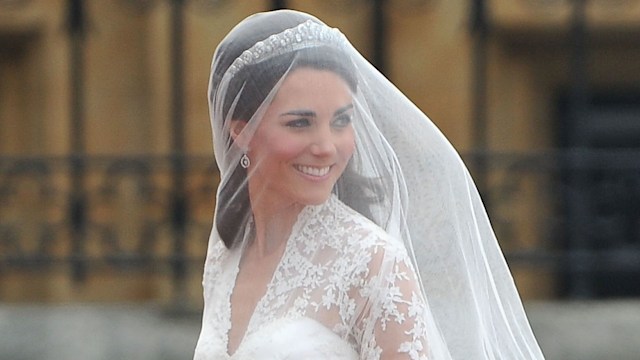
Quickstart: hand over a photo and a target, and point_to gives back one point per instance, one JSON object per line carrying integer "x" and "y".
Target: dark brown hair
{"x": 253, "y": 84}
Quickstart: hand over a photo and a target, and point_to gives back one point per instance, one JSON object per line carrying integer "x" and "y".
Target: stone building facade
{"x": 501, "y": 88}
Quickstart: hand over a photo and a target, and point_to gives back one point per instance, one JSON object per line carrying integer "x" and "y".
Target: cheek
{"x": 288, "y": 150}
{"x": 280, "y": 148}
{"x": 347, "y": 145}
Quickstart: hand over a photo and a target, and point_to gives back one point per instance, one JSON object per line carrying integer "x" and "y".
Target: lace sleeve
{"x": 392, "y": 324}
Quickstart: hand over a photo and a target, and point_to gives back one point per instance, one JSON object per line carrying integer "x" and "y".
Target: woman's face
{"x": 304, "y": 141}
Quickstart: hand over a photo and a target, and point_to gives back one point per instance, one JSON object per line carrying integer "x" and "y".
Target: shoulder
{"x": 340, "y": 225}
{"x": 216, "y": 250}
{"x": 216, "y": 254}
{"x": 362, "y": 238}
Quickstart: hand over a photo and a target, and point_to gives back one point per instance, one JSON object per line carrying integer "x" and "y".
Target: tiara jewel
{"x": 305, "y": 35}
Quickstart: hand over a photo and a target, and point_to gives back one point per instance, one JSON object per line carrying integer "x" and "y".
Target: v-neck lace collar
{"x": 255, "y": 320}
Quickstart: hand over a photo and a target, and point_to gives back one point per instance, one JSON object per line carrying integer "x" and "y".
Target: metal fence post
{"x": 480, "y": 32}
{"x": 76, "y": 23}
{"x": 579, "y": 255}
{"x": 178, "y": 199}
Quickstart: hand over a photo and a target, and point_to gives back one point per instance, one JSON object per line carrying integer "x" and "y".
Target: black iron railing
{"x": 128, "y": 216}
{"x": 122, "y": 217}
{"x": 593, "y": 251}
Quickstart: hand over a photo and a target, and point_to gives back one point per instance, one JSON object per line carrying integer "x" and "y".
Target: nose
{"x": 323, "y": 142}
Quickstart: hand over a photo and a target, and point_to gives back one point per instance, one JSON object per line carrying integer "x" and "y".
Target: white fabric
{"x": 342, "y": 273}
{"x": 341, "y": 283}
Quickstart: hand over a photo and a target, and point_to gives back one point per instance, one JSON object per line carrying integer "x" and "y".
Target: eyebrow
{"x": 303, "y": 113}
{"x": 309, "y": 113}
{"x": 343, "y": 109}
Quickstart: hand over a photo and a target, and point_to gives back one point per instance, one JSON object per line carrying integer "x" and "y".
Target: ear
{"x": 235, "y": 131}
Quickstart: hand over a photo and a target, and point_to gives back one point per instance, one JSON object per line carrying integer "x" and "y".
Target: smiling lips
{"x": 313, "y": 171}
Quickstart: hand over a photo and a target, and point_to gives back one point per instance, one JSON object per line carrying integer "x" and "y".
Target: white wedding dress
{"x": 342, "y": 290}
{"x": 347, "y": 287}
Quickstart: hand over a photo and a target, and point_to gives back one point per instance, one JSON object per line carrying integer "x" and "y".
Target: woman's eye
{"x": 298, "y": 123}
{"x": 342, "y": 121}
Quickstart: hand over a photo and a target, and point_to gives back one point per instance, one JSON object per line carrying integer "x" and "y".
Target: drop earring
{"x": 245, "y": 161}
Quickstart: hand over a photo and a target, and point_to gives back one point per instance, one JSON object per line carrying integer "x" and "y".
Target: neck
{"x": 273, "y": 223}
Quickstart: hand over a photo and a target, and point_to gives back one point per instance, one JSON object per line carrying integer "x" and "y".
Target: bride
{"x": 346, "y": 225}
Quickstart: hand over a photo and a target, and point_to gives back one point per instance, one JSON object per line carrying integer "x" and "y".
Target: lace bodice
{"x": 343, "y": 289}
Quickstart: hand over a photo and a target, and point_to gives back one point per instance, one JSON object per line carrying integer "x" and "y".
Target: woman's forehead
{"x": 313, "y": 86}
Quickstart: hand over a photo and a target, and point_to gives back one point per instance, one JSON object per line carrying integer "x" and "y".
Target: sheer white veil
{"x": 404, "y": 175}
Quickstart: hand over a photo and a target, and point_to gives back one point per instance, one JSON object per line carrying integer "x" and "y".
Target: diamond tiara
{"x": 305, "y": 35}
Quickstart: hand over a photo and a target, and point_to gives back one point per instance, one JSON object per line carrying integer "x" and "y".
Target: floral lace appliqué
{"x": 345, "y": 273}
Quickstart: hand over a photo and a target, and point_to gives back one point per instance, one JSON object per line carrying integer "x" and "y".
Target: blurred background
{"x": 107, "y": 178}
